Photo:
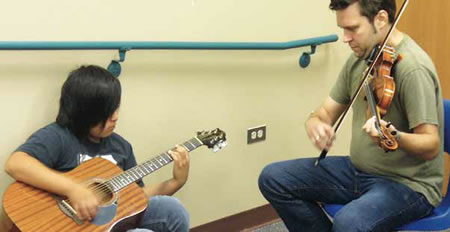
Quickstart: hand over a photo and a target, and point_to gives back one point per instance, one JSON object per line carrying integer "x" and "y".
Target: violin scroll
{"x": 387, "y": 140}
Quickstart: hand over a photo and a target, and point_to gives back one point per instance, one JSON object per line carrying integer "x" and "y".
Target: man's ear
{"x": 381, "y": 19}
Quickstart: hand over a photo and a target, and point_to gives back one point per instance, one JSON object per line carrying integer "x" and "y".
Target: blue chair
{"x": 440, "y": 218}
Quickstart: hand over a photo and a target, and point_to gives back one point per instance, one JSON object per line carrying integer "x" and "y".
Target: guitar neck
{"x": 138, "y": 172}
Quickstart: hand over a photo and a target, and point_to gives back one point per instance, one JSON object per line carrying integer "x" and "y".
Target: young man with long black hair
{"x": 84, "y": 129}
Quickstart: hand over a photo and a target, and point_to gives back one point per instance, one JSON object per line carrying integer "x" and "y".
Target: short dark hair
{"x": 89, "y": 96}
{"x": 368, "y": 8}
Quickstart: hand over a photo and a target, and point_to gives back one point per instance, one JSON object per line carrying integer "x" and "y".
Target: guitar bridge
{"x": 67, "y": 209}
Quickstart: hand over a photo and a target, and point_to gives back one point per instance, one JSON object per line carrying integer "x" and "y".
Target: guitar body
{"x": 32, "y": 209}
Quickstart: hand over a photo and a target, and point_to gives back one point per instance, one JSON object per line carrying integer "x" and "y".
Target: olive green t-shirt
{"x": 417, "y": 100}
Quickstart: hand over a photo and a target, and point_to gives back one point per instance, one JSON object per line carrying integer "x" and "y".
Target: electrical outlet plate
{"x": 256, "y": 134}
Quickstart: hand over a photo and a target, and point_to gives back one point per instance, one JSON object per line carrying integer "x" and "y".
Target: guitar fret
{"x": 115, "y": 184}
{"x": 164, "y": 161}
{"x": 128, "y": 177}
{"x": 145, "y": 168}
{"x": 149, "y": 165}
{"x": 169, "y": 157}
{"x": 111, "y": 184}
{"x": 189, "y": 146}
{"x": 153, "y": 165}
{"x": 124, "y": 177}
{"x": 134, "y": 173}
{"x": 139, "y": 172}
{"x": 133, "y": 176}
{"x": 159, "y": 163}
{"x": 196, "y": 141}
{"x": 119, "y": 182}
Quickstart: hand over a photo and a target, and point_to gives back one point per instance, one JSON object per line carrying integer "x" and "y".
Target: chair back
{"x": 440, "y": 217}
{"x": 446, "y": 107}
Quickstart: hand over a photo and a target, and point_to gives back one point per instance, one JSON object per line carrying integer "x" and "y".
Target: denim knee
{"x": 266, "y": 178}
{"x": 348, "y": 222}
{"x": 167, "y": 212}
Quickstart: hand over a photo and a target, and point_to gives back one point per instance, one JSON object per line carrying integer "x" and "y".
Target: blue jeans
{"x": 372, "y": 203}
{"x": 163, "y": 213}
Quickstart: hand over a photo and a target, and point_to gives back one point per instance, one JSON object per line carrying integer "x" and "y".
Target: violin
{"x": 379, "y": 89}
{"x": 386, "y": 140}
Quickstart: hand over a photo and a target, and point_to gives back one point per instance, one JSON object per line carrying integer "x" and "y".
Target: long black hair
{"x": 368, "y": 8}
{"x": 89, "y": 96}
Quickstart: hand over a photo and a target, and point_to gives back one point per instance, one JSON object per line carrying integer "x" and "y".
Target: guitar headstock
{"x": 213, "y": 139}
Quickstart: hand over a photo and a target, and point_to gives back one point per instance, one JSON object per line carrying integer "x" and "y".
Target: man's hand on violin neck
{"x": 370, "y": 128}
{"x": 321, "y": 134}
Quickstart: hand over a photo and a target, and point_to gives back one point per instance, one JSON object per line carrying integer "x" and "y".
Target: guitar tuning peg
{"x": 223, "y": 144}
{"x": 200, "y": 132}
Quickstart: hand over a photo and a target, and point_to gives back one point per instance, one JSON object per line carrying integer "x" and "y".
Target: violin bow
{"x": 324, "y": 152}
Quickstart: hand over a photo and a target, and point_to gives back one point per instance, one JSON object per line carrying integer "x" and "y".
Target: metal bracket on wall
{"x": 305, "y": 59}
{"x": 114, "y": 67}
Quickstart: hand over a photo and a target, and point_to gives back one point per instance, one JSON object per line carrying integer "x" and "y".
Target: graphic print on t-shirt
{"x": 84, "y": 157}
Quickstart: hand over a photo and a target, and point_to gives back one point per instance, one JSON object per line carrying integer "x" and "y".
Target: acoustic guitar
{"x": 122, "y": 200}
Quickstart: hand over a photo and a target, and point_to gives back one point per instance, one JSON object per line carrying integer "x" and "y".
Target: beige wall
{"x": 168, "y": 95}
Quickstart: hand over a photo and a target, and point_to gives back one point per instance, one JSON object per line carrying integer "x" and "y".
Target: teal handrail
{"x": 129, "y": 45}
{"x": 124, "y": 46}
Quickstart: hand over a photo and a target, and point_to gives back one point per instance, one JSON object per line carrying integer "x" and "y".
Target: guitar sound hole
{"x": 102, "y": 191}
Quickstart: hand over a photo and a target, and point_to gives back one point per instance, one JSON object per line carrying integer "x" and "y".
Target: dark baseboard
{"x": 240, "y": 221}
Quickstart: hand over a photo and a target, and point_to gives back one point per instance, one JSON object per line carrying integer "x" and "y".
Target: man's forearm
{"x": 424, "y": 146}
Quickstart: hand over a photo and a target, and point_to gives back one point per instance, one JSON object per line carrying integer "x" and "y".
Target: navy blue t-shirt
{"x": 57, "y": 148}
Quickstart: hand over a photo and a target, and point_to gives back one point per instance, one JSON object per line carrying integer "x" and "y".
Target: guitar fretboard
{"x": 138, "y": 172}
